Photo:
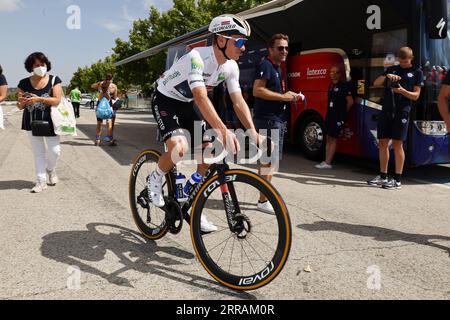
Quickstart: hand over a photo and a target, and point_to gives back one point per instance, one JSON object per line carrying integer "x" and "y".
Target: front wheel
{"x": 254, "y": 249}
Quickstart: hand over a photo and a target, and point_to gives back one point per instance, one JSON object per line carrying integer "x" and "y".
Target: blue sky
{"x": 30, "y": 25}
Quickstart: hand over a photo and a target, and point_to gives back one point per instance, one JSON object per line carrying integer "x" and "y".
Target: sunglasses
{"x": 281, "y": 48}
{"x": 238, "y": 42}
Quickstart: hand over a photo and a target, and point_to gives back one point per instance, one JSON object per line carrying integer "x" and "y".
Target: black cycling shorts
{"x": 173, "y": 117}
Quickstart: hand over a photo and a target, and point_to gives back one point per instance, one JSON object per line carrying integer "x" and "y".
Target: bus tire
{"x": 311, "y": 137}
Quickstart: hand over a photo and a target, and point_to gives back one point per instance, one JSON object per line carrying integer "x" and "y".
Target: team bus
{"x": 362, "y": 38}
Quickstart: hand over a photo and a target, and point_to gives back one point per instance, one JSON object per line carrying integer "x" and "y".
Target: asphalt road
{"x": 350, "y": 241}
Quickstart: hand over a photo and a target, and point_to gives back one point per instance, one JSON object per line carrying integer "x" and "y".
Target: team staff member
{"x": 340, "y": 100}
{"x": 269, "y": 90}
{"x": 444, "y": 97}
{"x": 402, "y": 84}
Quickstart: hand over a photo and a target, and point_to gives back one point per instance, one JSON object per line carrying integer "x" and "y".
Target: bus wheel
{"x": 311, "y": 137}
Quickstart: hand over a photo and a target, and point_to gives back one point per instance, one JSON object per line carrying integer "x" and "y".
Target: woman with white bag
{"x": 3, "y": 94}
{"x": 37, "y": 94}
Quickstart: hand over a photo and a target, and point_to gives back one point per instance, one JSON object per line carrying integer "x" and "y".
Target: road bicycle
{"x": 250, "y": 247}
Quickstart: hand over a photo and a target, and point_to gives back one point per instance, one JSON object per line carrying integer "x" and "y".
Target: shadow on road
{"x": 78, "y": 248}
{"x": 352, "y": 171}
{"x": 16, "y": 185}
{"x": 377, "y": 233}
{"x": 131, "y": 139}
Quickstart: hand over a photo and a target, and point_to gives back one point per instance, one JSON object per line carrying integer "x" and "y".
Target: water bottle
{"x": 195, "y": 178}
{"x": 180, "y": 182}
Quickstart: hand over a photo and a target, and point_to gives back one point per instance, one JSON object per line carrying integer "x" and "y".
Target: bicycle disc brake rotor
{"x": 243, "y": 226}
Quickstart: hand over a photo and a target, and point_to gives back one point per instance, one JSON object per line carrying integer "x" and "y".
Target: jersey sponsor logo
{"x": 221, "y": 77}
{"x": 410, "y": 75}
{"x": 172, "y": 76}
{"x": 196, "y": 64}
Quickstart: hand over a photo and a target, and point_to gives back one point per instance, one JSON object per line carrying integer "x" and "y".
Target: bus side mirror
{"x": 437, "y": 17}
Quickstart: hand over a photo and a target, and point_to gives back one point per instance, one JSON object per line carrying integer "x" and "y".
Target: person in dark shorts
{"x": 340, "y": 100}
{"x": 403, "y": 84}
{"x": 270, "y": 109}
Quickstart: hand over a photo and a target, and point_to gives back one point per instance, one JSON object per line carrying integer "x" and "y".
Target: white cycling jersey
{"x": 198, "y": 68}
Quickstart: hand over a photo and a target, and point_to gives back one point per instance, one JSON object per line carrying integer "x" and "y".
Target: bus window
{"x": 384, "y": 48}
{"x": 435, "y": 64}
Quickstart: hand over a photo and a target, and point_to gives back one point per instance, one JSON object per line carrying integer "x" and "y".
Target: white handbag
{"x": 63, "y": 118}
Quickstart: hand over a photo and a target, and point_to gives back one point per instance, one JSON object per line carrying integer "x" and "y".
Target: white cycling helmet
{"x": 229, "y": 24}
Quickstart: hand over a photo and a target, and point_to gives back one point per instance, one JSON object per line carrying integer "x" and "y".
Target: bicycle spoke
{"x": 262, "y": 259}
{"x": 231, "y": 255}
{"x": 249, "y": 260}
{"x": 223, "y": 249}
{"x": 260, "y": 240}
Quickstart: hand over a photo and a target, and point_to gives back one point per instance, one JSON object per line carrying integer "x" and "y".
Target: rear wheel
{"x": 311, "y": 137}
{"x": 150, "y": 219}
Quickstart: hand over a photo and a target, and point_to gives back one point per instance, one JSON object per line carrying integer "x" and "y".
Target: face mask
{"x": 40, "y": 71}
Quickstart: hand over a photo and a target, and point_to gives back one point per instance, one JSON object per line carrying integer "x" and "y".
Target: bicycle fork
{"x": 237, "y": 222}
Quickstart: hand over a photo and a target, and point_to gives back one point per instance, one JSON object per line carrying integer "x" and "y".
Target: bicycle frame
{"x": 227, "y": 189}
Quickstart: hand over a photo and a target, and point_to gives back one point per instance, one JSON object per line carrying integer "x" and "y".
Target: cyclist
{"x": 186, "y": 83}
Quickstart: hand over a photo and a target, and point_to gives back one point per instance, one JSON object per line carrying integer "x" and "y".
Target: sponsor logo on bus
{"x": 294, "y": 75}
{"x": 316, "y": 72}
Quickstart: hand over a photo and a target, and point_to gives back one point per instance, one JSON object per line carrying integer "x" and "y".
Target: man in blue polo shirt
{"x": 271, "y": 98}
{"x": 403, "y": 84}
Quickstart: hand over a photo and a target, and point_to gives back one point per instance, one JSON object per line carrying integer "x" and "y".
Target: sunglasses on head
{"x": 281, "y": 48}
{"x": 238, "y": 42}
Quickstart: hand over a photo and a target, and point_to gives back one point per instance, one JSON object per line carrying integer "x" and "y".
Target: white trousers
{"x": 44, "y": 158}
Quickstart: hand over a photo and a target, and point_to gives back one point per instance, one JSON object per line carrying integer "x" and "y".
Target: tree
{"x": 86, "y": 76}
{"x": 185, "y": 16}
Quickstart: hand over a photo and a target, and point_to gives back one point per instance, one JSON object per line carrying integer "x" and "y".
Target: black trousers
{"x": 76, "y": 109}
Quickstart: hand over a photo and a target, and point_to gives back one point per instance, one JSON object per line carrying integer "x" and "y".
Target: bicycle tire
{"x": 151, "y": 233}
{"x": 259, "y": 279}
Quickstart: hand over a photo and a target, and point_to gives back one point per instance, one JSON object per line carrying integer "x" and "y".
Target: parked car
{"x": 86, "y": 99}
